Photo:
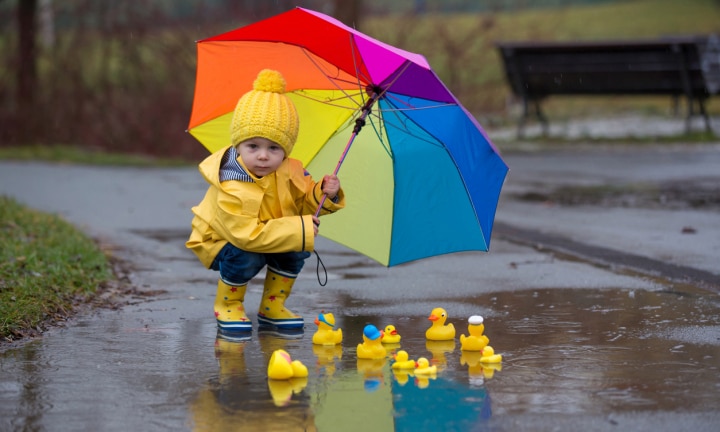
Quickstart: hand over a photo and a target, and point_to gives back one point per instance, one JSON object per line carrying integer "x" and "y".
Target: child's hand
{"x": 331, "y": 186}
{"x": 316, "y": 224}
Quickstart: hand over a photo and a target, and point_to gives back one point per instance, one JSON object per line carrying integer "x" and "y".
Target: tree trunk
{"x": 27, "y": 67}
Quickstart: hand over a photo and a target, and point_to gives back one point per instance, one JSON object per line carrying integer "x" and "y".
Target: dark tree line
{"x": 117, "y": 76}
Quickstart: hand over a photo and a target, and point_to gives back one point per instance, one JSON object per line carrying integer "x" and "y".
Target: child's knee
{"x": 240, "y": 269}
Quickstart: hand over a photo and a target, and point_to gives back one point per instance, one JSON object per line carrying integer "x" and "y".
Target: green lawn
{"x": 47, "y": 268}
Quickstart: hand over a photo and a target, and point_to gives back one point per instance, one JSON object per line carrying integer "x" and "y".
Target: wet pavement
{"x": 604, "y": 305}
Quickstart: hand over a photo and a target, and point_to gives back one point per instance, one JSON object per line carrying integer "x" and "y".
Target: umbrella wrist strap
{"x": 317, "y": 270}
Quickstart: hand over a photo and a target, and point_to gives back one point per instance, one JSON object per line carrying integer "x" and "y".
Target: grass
{"x": 47, "y": 268}
{"x": 555, "y": 141}
{"x": 78, "y": 155}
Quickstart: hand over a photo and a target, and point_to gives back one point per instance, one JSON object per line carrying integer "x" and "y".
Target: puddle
{"x": 565, "y": 352}
{"x": 696, "y": 194}
{"x": 608, "y": 351}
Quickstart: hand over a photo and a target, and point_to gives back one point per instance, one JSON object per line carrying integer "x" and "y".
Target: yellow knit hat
{"x": 265, "y": 111}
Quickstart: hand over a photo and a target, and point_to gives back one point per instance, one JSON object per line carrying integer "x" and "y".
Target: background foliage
{"x": 119, "y": 77}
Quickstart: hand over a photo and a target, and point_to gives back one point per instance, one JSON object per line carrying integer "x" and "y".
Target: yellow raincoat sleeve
{"x": 311, "y": 192}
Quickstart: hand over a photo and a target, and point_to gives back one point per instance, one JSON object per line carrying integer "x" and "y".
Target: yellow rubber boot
{"x": 229, "y": 309}
{"x": 272, "y": 305}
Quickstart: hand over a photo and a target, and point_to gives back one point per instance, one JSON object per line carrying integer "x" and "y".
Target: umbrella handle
{"x": 359, "y": 123}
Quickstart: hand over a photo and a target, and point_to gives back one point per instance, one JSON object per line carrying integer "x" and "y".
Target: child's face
{"x": 261, "y": 156}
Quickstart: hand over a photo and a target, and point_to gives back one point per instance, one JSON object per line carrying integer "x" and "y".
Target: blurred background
{"x": 119, "y": 76}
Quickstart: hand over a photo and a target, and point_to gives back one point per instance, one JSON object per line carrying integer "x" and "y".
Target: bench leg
{"x": 691, "y": 114}
{"x": 703, "y": 112}
{"x": 675, "y": 105}
{"x": 526, "y": 114}
{"x": 541, "y": 117}
{"x": 523, "y": 119}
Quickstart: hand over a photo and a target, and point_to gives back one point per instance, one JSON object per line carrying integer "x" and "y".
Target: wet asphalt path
{"x": 150, "y": 365}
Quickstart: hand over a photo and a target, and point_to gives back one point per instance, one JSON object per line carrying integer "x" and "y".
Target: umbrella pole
{"x": 359, "y": 123}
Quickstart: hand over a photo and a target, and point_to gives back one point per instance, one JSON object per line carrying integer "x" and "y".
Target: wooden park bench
{"x": 677, "y": 67}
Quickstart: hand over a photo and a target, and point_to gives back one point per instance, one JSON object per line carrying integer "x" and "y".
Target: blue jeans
{"x": 237, "y": 266}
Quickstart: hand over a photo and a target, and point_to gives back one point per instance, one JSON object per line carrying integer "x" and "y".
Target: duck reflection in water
{"x": 238, "y": 400}
{"x": 465, "y": 407}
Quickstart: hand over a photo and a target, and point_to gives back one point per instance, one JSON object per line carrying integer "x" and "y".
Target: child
{"x": 259, "y": 209}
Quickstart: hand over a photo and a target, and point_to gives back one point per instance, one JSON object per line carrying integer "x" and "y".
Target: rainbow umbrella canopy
{"x": 420, "y": 175}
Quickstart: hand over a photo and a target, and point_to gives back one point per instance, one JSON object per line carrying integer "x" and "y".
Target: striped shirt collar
{"x": 230, "y": 168}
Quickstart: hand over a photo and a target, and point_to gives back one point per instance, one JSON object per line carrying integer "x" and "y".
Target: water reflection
{"x": 439, "y": 350}
{"x": 566, "y": 351}
{"x": 240, "y": 396}
{"x": 341, "y": 387}
{"x": 594, "y": 352}
{"x": 606, "y": 351}
{"x": 444, "y": 404}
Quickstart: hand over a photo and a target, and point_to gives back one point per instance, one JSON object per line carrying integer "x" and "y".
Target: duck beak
{"x": 317, "y": 321}
{"x": 433, "y": 318}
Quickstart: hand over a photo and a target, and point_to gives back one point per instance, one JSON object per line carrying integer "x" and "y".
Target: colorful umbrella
{"x": 422, "y": 179}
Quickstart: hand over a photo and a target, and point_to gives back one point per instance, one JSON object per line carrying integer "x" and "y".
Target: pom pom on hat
{"x": 269, "y": 81}
{"x": 267, "y": 112}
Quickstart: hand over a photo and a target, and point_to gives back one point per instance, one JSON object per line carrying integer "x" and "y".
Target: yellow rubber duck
{"x": 439, "y": 330}
{"x": 282, "y": 367}
{"x": 371, "y": 348}
{"x": 489, "y": 356}
{"x": 476, "y": 340}
{"x": 402, "y": 361}
{"x": 424, "y": 368}
{"x": 326, "y": 333}
{"x": 390, "y": 335}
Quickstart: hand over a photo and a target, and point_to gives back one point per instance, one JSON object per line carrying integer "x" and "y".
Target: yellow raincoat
{"x": 266, "y": 215}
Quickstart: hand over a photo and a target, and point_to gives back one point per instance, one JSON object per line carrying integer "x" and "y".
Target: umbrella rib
{"x": 378, "y": 125}
{"x": 355, "y": 66}
{"x": 401, "y": 123}
{"x": 416, "y": 108}
{"x": 328, "y": 101}
{"x": 334, "y": 80}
